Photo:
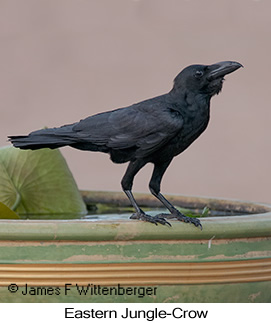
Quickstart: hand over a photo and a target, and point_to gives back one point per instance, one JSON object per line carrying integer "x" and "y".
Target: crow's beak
{"x": 221, "y": 69}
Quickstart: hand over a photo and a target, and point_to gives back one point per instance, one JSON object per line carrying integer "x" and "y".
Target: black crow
{"x": 152, "y": 131}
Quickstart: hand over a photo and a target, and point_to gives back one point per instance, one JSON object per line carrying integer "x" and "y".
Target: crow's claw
{"x": 147, "y": 218}
{"x": 180, "y": 217}
{"x": 161, "y": 220}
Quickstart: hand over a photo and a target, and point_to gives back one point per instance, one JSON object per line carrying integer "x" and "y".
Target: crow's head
{"x": 205, "y": 79}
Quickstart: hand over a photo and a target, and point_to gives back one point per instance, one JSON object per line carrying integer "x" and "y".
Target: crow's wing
{"x": 146, "y": 126}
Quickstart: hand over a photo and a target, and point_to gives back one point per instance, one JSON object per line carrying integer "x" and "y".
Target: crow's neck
{"x": 189, "y": 100}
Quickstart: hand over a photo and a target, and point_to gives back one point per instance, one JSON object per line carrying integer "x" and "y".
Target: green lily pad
{"x": 38, "y": 182}
{"x": 7, "y": 213}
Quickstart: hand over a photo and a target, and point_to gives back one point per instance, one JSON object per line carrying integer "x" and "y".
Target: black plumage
{"x": 152, "y": 131}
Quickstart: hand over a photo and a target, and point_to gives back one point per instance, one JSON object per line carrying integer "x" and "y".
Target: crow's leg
{"x": 127, "y": 183}
{"x": 154, "y": 185}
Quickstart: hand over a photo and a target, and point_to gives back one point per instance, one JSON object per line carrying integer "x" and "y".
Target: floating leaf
{"x": 38, "y": 182}
{"x": 7, "y": 213}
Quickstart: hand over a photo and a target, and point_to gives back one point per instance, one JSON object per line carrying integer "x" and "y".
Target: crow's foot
{"x": 180, "y": 217}
{"x": 147, "y": 218}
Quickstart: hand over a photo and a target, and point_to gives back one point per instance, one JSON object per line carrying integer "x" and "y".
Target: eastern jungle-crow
{"x": 152, "y": 131}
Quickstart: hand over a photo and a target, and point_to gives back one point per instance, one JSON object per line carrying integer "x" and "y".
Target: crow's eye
{"x": 198, "y": 74}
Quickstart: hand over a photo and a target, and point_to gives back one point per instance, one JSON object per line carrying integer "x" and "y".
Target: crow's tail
{"x": 45, "y": 138}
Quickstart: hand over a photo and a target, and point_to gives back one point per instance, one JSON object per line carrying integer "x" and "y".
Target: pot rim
{"x": 255, "y": 222}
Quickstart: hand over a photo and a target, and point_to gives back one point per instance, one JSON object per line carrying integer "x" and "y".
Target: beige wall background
{"x": 61, "y": 61}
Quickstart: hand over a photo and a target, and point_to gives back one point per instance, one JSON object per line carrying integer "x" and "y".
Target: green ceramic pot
{"x": 110, "y": 258}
